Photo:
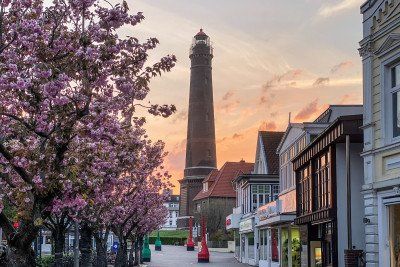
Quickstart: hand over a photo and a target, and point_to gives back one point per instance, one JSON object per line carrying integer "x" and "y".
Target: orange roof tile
{"x": 222, "y": 185}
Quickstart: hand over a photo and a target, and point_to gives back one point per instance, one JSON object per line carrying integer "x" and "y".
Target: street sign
{"x": 115, "y": 246}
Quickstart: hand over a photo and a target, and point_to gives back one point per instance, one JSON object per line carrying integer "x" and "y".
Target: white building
{"x": 173, "y": 213}
{"x": 253, "y": 191}
{"x": 380, "y": 52}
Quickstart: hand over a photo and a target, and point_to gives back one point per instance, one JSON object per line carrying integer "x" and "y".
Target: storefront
{"x": 232, "y": 224}
{"x": 248, "y": 241}
{"x": 279, "y": 237}
{"x": 389, "y": 227}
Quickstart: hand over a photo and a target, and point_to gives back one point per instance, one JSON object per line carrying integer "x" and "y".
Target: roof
{"x": 285, "y": 134}
{"x": 271, "y": 141}
{"x": 212, "y": 176}
{"x": 335, "y": 111}
{"x": 222, "y": 186}
{"x": 334, "y": 133}
{"x": 201, "y": 33}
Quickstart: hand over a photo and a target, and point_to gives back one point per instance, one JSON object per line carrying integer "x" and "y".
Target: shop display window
{"x": 250, "y": 241}
{"x": 394, "y": 235}
{"x": 296, "y": 247}
{"x": 285, "y": 247}
{"x": 263, "y": 245}
{"x": 274, "y": 245}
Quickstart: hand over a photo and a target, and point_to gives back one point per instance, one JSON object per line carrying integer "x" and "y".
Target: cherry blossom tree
{"x": 67, "y": 79}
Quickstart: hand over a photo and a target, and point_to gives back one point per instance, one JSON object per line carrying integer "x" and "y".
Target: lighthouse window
{"x": 207, "y": 116}
{"x": 209, "y": 152}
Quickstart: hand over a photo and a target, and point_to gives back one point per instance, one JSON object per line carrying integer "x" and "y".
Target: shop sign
{"x": 268, "y": 210}
{"x": 232, "y": 221}
{"x": 288, "y": 202}
{"x": 246, "y": 225}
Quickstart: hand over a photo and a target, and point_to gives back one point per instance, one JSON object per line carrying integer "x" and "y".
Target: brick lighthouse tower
{"x": 200, "y": 147}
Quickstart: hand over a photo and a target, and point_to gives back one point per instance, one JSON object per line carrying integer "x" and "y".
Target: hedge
{"x": 179, "y": 241}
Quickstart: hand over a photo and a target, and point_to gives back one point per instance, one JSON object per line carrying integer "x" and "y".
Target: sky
{"x": 271, "y": 58}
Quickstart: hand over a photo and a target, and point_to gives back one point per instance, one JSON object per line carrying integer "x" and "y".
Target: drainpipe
{"x": 348, "y": 180}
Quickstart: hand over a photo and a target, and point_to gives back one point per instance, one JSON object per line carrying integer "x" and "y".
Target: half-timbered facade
{"x": 329, "y": 175}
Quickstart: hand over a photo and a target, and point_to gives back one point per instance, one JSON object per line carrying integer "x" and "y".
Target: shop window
{"x": 274, "y": 245}
{"x": 250, "y": 241}
{"x": 296, "y": 247}
{"x": 285, "y": 247}
{"x": 394, "y": 235}
{"x": 263, "y": 245}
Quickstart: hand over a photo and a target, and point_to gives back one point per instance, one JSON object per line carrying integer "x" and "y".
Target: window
{"x": 250, "y": 240}
{"x": 322, "y": 182}
{"x": 274, "y": 245}
{"x": 275, "y": 192}
{"x": 261, "y": 194}
{"x": 263, "y": 245}
{"x": 304, "y": 188}
{"x": 395, "y": 95}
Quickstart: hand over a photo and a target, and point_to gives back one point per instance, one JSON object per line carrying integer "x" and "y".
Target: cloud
{"x": 237, "y": 136}
{"x": 321, "y": 81}
{"x": 330, "y": 10}
{"x": 228, "y": 95}
{"x": 268, "y": 126}
{"x": 308, "y": 111}
{"x": 286, "y": 78}
{"x": 180, "y": 116}
{"x": 342, "y": 66}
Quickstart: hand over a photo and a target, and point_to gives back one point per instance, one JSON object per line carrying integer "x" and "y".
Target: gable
{"x": 392, "y": 41}
{"x": 293, "y": 134}
{"x": 260, "y": 165}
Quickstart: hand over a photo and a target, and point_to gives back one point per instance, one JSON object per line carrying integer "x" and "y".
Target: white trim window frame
{"x": 388, "y": 90}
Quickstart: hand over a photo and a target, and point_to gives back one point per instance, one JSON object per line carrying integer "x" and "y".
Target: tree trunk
{"x": 19, "y": 251}
{"x": 20, "y": 257}
{"x": 59, "y": 243}
{"x": 101, "y": 248}
{"x": 122, "y": 257}
{"x": 130, "y": 264}
{"x": 140, "y": 239}
{"x": 137, "y": 253}
{"x": 85, "y": 245}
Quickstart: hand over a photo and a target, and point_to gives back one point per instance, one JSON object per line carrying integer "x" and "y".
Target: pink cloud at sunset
{"x": 264, "y": 67}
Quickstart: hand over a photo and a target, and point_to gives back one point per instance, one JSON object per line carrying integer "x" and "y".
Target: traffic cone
{"x": 203, "y": 256}
{"x": 190, "y": 243}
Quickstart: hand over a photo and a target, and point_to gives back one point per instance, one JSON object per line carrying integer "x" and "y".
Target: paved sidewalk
{"x": 177, "y": 256}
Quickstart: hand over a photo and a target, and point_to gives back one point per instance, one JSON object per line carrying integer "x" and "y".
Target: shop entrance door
{"x": 328, "y": 244}
{"x": 243, "y": 248}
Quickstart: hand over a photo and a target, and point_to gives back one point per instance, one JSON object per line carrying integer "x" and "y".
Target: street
{"x": 173, "y": 256}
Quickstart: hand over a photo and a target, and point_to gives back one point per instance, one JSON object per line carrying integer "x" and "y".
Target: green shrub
{"x": 45, "y": 261}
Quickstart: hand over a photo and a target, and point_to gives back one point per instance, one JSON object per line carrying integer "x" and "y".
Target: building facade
{"x": 217, "y": 198}
{"x": 201, "y": 156}
{"x": 380, "y": 52}
{"x": 329, "y": 175}
{"x": 253, "y": 191}
{"x": 173, "y": 213}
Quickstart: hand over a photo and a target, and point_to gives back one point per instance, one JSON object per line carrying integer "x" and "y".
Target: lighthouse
{"x": 201, "y": 156}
